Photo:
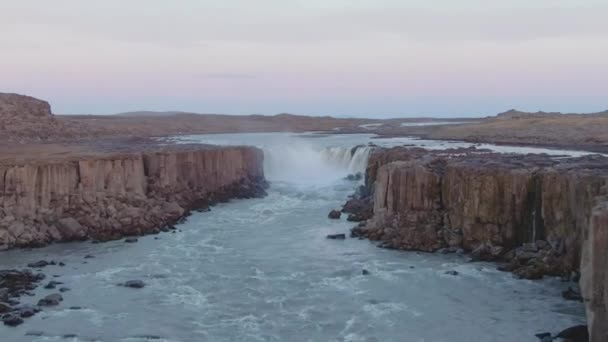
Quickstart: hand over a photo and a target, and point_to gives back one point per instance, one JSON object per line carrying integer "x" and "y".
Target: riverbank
{"x": 539, "y": 215}
{"x": 106, "y": 194}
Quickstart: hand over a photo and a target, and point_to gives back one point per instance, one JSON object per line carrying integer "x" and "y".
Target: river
{"x": 262, "y": 270}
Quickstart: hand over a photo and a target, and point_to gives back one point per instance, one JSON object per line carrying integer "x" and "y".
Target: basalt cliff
{"x": 535, "y": 214}
{"x": 106, "y": 189}
{"x": 110, "y": 196}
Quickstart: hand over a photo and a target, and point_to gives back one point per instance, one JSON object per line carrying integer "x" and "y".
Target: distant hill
{"x": 516, "y": 114}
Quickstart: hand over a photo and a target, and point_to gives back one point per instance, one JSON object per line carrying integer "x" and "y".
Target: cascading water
{"x": 301, "y": 162}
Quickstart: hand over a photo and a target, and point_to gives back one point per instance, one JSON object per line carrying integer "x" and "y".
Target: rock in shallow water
{"x": 334, "y": 214}
{"x": 51, "y": 300}
{"x": 134, "y": 284}
{"x": 12, "y": 320}
{"x": 336, "y": 236}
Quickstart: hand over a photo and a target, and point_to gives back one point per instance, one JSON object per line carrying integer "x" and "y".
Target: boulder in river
{"x": 131, "y": 240}
{"x": 334, "y": 214}
{"x": 51, "y": 300}
{"x": 12, "y": 320}
{"x": 40, "y": 264}
{"x": 336, "y": 236}
{"x": 571, "y": 294}
{"x": 134, "y": 284}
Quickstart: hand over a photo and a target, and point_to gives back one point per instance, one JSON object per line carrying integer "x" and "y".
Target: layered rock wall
{"x": 542, "y": 215}
{"x": 594, "y": 270}
{"x": 111, "y": 196}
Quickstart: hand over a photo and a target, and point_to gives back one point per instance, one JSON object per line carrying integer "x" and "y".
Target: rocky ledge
{"x": 538, "y": 215}
{"x": 111, "y": 195}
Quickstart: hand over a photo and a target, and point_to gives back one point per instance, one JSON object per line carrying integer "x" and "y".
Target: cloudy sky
{"x": 380, "y": 58}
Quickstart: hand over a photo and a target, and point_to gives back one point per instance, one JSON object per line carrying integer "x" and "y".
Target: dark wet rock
{"x": 529, "y": 247}
{"x": 131, "y": 240}
{"x": 147, "y": 337}
{"x": 509, "y": 267}
{"x": 75, "y": 308}
{"x": 156, "y": 238}
{"x": 70, "y": 336}
{"x": 61, "y": 264}
{"x": 544, "y": 337}
{"x": 487, "y": 252}
{"x": 52, "y": 284}
{"x": 4, "y": 308}
{"x": 365, "y": 272}
{"x": 361, "y": 207}
{"x": 14, "y": 284}
{"x": 135, "y": 284}
{"x": 89, "y": 256}
{"x": 357, "y": 218}
{"x": 452, "y": 272}
{"x": 336, "y": 236}
{"x": 448, "y": 250}
{"x": 354, "y": 177}
{"x": 357, "y": 232}
{"x": 577, "y": 333}
{"x": 571, "y": 294}
{"x": 34, "y": 333}
{"x": 64, "y": 289}
{"x": 26, "y": 311}
{"x": 334, "y": 214}
{"x": 532, "y": 272}
{"x": 40, "y": 264}
{"x": 51, "y": 300}
{"x": 12, "y": 302}
{"x": 524, "y": 256}
{"x": 12, "y": 320}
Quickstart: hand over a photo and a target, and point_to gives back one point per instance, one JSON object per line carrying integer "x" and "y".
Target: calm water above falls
{"x": 262, "y": 270}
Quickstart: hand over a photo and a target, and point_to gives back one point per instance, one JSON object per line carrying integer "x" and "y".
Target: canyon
{"x": 82, "y": 178}
{"x": 537, "y": 214}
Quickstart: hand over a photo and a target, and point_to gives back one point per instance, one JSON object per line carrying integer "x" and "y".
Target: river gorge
{"x": 262, "y": 269}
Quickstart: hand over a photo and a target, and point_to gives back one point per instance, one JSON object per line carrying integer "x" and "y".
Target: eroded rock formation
{"x": 106, "y": 197}
{"x": 538, "y": 213}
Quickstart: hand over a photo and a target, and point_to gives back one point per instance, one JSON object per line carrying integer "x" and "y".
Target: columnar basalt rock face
{"x": 538, "y": 213}
{"x": 594, "y": 270}
{"x": 116, "y": 195}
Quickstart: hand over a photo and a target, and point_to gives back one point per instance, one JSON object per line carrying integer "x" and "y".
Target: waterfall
{"x": 353, "y": 160}
{"x": 298, "y": 162}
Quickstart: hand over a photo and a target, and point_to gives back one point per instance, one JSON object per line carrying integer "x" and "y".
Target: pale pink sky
{"x": 358, "y": 57}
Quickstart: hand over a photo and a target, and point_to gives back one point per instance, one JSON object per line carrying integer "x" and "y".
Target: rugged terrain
{"x": 536, "y": 214}
{"x": 105, "y": 188}
{"x": 34, "y": 122}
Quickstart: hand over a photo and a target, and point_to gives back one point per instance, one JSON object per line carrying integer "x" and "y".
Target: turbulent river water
{"x": 262, "y": 270}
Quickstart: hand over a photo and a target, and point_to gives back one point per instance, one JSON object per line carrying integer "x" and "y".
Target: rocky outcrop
{"x": 594, "y": 270}
{"x": 25, "y": 119}
{"x": 110, "y": 196}
{"x": 542, "y": 215}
